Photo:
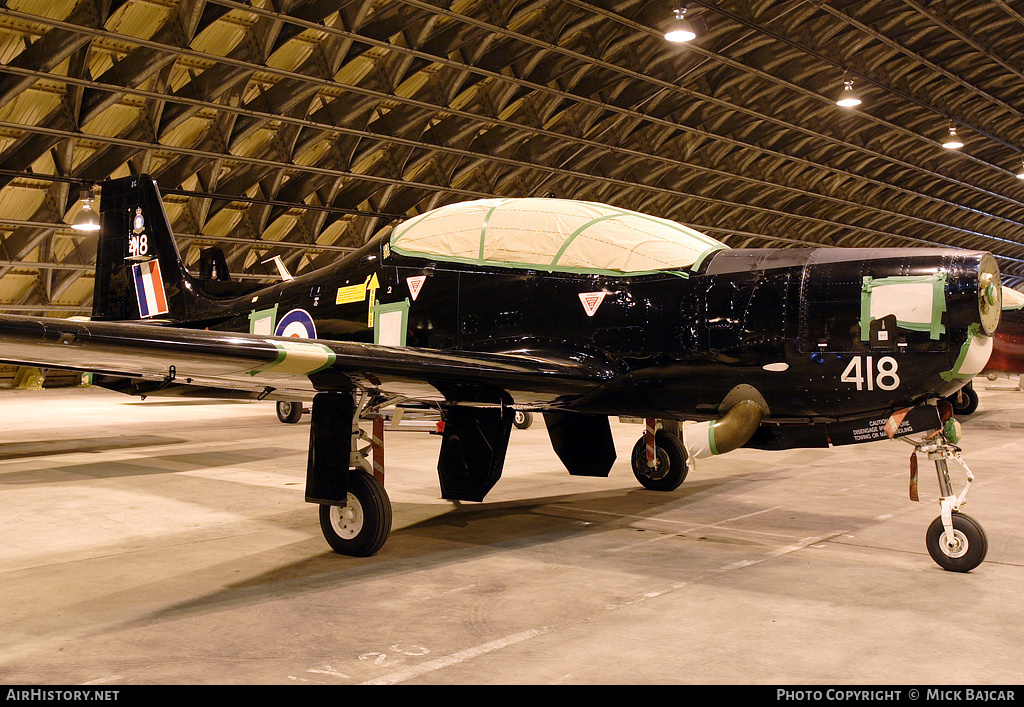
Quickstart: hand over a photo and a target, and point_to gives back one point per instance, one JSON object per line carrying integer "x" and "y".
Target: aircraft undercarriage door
{"x": 330, "y": 445}
{"x": 473, "y": 450}
{"x": 583, "y": 443}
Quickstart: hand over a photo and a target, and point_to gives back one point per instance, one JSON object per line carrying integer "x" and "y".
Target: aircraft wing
{"x": 266, "y": 363}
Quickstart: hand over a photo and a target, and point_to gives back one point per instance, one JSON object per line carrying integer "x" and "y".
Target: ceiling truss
{"x": 300, "y": 128}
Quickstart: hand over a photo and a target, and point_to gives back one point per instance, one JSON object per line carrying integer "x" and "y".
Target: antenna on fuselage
{"x": 281, "y": 267}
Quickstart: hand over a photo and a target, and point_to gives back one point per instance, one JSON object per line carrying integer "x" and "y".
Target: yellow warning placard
{"x": 357, "y": 293}
{"x": 351, "y": 293}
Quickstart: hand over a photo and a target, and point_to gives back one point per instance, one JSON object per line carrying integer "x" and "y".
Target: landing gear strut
{"x": 954, "y": 540}
{"x": 360, "y": 525}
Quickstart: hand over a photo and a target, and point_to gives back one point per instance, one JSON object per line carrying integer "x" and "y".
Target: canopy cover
{"x": 552, "y": 234}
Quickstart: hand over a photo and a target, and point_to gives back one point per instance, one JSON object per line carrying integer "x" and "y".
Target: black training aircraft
{"x": 576, "y": 310}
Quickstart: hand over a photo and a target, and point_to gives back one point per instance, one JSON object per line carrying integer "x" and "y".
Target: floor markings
{"x": 462, "y": 656}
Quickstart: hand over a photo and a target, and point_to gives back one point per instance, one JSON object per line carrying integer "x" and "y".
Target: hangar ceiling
{"x": 299, "y": 128}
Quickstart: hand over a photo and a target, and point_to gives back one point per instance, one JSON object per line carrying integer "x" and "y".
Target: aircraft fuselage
{"x": 787, "y": 321}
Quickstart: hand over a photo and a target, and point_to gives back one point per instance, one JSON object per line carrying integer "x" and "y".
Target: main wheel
{"x": 361, "y": 527}
{"x": 522, "y": 419}
{"x": 967, "y": 549}
{"x": 965, "y": 400}
{"x": 289, "y": 411}
{"x": 669, "y": 468}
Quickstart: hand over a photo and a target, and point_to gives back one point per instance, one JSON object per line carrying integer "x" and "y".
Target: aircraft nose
{"x": 897, "y": 299}
{"x": 990, "y": 294}
{"x": 974, "y": 294}
{"x": 975, "y": 306}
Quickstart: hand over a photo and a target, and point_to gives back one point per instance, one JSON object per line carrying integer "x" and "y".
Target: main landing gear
{"x": 522, "y": 419}
{"x": 954, "y": 540}
{"x": 362, "y": 525}
{"x": 964, "y": 401}
{"x": 289, "y": 411}
{"x": 659, "y": 459}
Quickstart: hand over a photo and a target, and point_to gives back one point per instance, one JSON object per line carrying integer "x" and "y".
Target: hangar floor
{"x": 168, "y": 542}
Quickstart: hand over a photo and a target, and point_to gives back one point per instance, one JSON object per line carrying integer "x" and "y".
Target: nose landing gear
{"x": 954, "y": 540}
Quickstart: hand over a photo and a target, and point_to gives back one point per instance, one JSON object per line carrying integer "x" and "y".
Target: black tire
{"x": 289, "y": 411}
{"x": 522, "y": 419}
{"x": 971, "y": 544}
{"x": 362, "y": 527}
{"x": 670, "y": 462}
{"x": 965, "y": 400}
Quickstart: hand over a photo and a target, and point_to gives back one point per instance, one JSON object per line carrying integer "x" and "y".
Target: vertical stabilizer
{"x": 139, "y": 272}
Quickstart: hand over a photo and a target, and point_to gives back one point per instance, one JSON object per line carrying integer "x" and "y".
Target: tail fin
{"x": 139, "y": 271}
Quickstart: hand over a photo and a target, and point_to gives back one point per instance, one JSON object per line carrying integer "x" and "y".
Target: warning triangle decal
{"x": 415, "y": 285}
{"x": 591, "y": 301}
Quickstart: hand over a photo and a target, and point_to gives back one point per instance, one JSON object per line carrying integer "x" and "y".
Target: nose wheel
{"x": 961, "y": 550}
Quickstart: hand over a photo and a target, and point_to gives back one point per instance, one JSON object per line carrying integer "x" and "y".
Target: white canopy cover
{"x": 552, "y": 234}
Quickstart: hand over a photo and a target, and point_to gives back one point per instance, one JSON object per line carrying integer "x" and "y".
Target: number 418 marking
{"x": 863, "y": 371}
{"x": 138, "y": 245}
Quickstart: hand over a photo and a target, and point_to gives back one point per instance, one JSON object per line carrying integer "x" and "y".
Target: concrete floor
{"x": 163, "y": 542}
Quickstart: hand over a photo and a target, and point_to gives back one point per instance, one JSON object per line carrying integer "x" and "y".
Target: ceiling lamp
{"x": 87, "y": 220}
{"x": 848, "y": 98}
{"x": 1020, "y": 174}
{"x": 680, "y": 29}
{"x": 952, "y": 142}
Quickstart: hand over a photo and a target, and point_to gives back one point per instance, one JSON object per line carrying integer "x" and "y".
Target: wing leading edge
{"x": 265, "y": 363}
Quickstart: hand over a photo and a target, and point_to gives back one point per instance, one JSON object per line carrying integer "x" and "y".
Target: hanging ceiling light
{"x": 848, "y": 98}
{"x": 1020, "y": 174}
{"x": 952, "y": 142}
{"x": 680, "y": 29}
{"x": 87, "y": 220}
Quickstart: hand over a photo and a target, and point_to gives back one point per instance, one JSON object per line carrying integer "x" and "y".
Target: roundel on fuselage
{"x": 296, "y": 324}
